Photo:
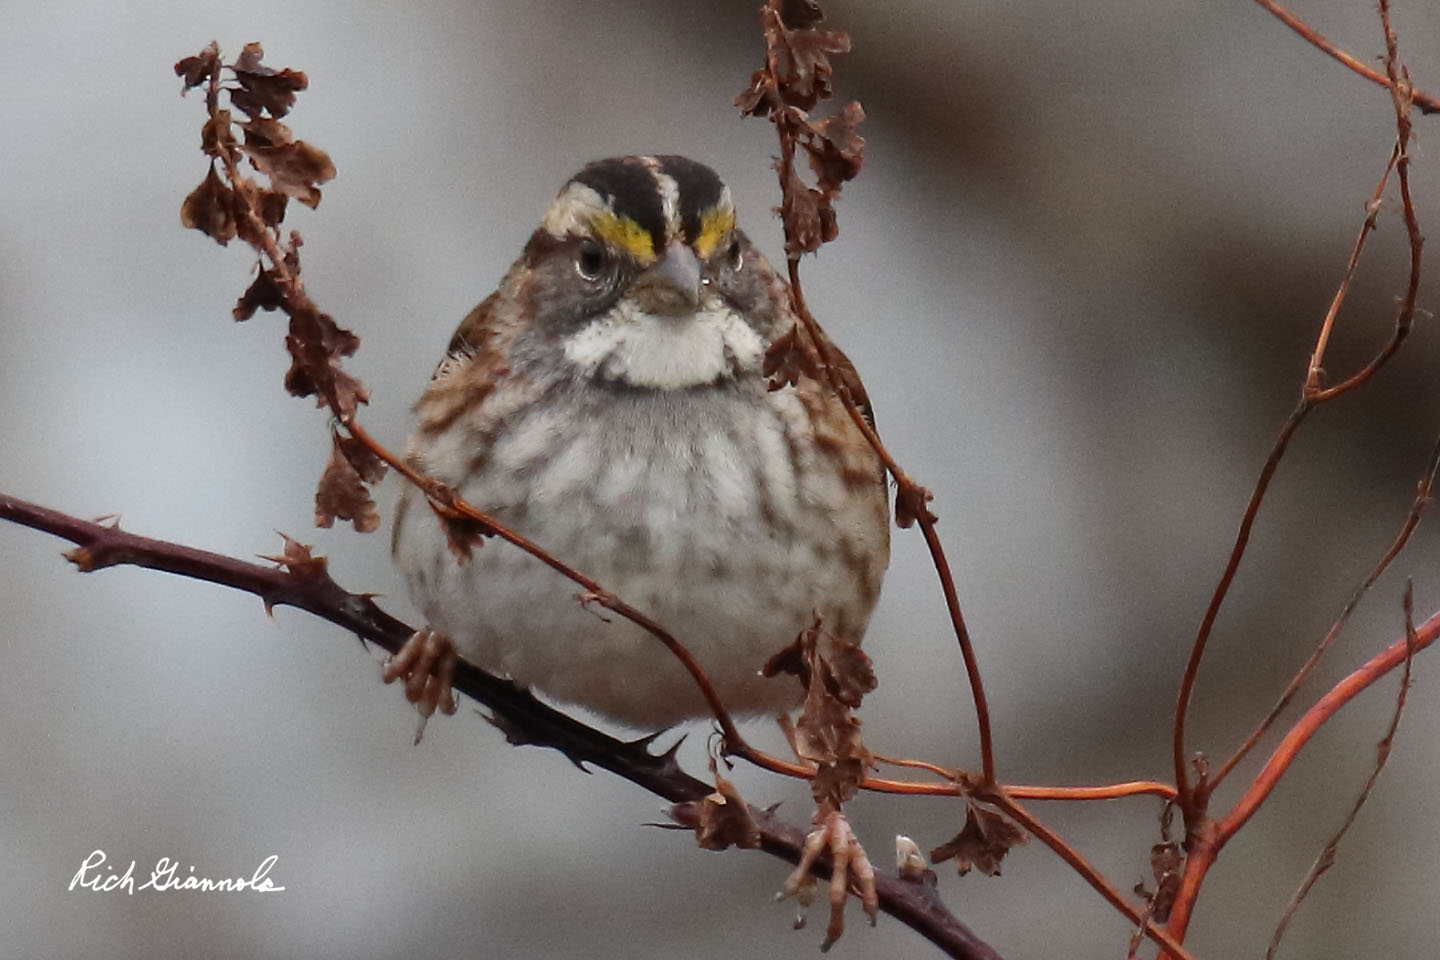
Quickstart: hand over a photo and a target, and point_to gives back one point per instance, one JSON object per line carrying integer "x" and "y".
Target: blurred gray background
{"x": 1081, "y": 273}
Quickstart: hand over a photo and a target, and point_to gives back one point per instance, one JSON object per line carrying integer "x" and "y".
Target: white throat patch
{"x": 645, "y": 350}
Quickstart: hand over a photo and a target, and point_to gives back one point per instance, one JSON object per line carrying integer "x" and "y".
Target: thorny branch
{"x": 302, "y": 581}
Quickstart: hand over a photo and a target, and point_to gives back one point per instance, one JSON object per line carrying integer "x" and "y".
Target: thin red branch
{"x": 1109, "y": 791}
{"x": 1402, "y": 537}
{"x": 1312, "y": 394}
{"x": 911, "y": 492}
{"x": 1204, "y": 836}
{"x": 1372, "y": 216}
{"x": 1424, "y": 101}
{"x": 1382, "y": 753}
{"x": 1217, "y": 599}
{"x": 1080, "y": 865}
{"x": 1316, "y": 717}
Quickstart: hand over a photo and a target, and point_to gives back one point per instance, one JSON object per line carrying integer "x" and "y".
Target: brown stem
{"x": 1372, "y": 215}
{"x": 1312, "y": 394}
{"x": 1217, "y": 599}
{"x": 1424, "y": 101}
{"x": 910, "y": 492}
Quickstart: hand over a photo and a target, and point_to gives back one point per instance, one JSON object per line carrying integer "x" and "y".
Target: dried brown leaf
{"x": 1167, "y": 863}
{"x": 803, "y": 64}
{"x": 912, "y": 502}
{"x": 210, "y": 208}
{"x": 789, "y": 358}
{"x": 799, "y": 52}
{"x": 296, "y": 169}
{"x": 264, "y": 293}
{"x": 217, "y": 137}
{"x": 262, "y": 89}
{"x": 317, "y": 346}
{"x": 343, "y": 493}
{"x": 982, "y": 843}
{"x": 272, "y": 207}
{"x": 266, "y": 132}
{"x": 826, "y": 733}
{"x": 463, "y": 535}
{"x": 199, "y": 68}
{"x": 722, "y": 819}
{"x": 807, "y": 214}
{"x": 760, "y": 98}
{"x": 798, "y": 14}
{"x": 836, "y": 149}
{"x": 366, "y": 463}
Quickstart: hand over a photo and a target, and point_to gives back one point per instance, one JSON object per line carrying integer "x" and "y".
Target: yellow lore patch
{"x": 715, "y": 223}
{"x": 622, "y": 233}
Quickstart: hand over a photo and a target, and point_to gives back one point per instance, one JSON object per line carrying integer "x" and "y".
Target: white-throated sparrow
{"x": 608, "y": 402}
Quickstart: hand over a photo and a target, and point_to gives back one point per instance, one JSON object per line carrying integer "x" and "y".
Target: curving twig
{"x": 1424, "y": 101}
{"x": 1312, "y": 394}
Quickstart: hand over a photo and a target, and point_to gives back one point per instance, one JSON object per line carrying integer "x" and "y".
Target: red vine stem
{"x": 1412, "y": 520}
{"x": 1312, "y": 394}
{"x": 1206, "y": 837}
{"x": 912, "y": 494}
{"x": 1424, "y": 101}
{"x": 1207, "y": 842}
{"x": 1166, "y": 938}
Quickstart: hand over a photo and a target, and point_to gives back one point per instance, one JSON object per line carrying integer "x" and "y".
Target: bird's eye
{"x": 734, "y": 256}
{"x": 590, "y": 259}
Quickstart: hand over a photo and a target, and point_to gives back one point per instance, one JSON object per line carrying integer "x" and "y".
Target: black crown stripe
{"x": 631, "y": 190}
{"x": 699, "y": 189}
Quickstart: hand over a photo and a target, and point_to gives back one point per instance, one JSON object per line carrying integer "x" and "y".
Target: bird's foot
{"x": 427, "y": 664}
{"x": 849, "y": 866}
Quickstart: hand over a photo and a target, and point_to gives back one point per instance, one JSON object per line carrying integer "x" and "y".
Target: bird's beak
{"x": 672, "y": 283}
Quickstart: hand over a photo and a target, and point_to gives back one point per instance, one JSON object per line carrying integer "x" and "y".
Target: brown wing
{"x": 476, "y": 357}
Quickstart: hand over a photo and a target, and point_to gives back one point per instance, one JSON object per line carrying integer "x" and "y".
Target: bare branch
{"x": 1326, "y": 859}
{"x": 1424, "y": 101}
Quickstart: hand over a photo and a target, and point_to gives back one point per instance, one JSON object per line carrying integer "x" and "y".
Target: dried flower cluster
{"x": 796, "y": 76}
{"x": 228, "y": 204}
